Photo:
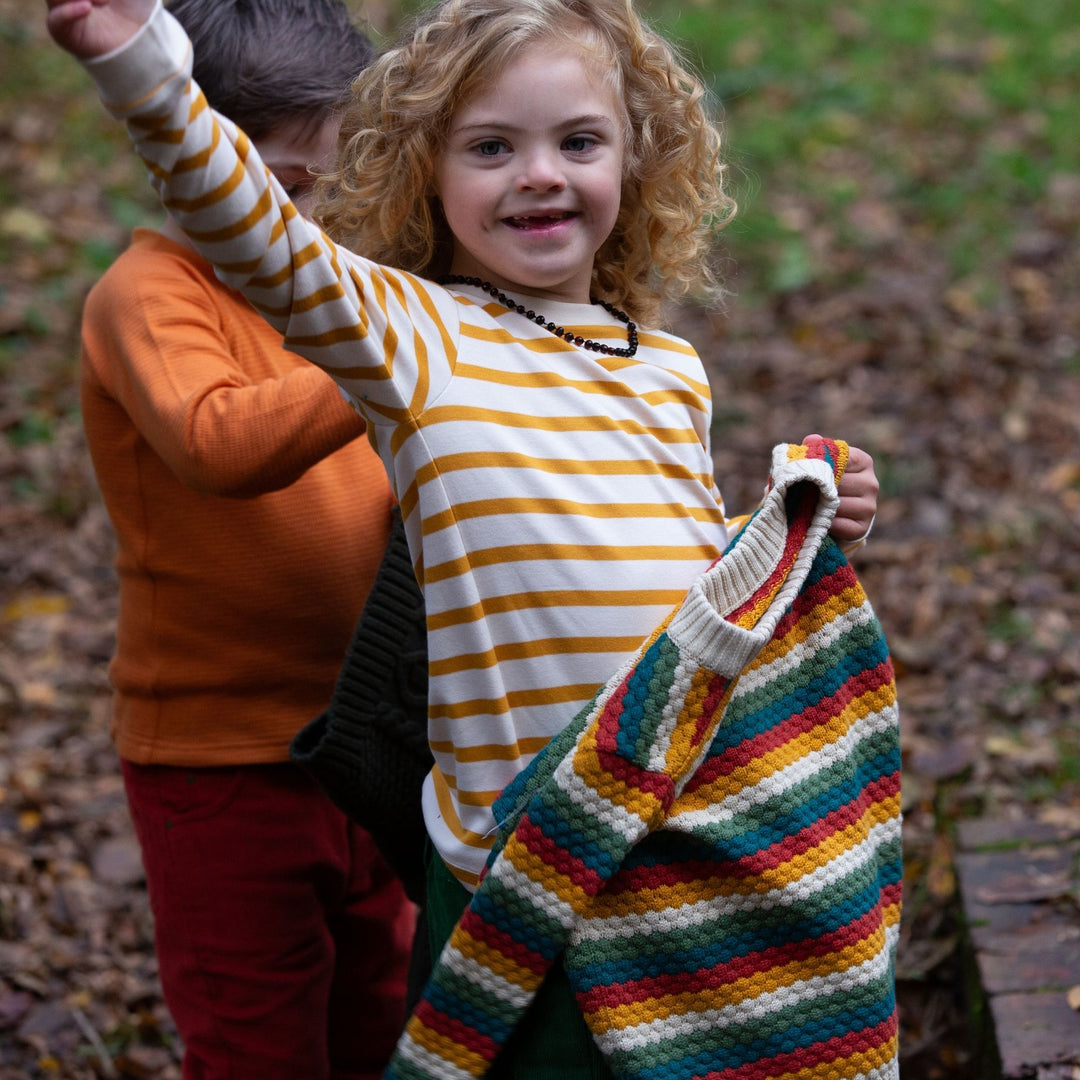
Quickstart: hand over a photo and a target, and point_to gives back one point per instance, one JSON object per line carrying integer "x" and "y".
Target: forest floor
{"x": 963, "y": 386}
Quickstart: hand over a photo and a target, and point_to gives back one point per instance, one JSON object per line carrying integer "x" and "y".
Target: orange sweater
{"x": 250, "y": 519}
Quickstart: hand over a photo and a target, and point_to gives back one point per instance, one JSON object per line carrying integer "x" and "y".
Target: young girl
{"x": 521, "y": 184}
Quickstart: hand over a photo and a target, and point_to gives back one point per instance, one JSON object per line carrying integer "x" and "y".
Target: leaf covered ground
{"x": 904, "y": 274}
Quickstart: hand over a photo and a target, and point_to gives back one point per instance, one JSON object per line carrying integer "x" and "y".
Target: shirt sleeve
{"x": 387, "y": 337}
{"x": 225, "y": 424}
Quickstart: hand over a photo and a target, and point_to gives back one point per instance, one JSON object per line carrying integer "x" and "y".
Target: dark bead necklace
{"x": 547, "y": 324}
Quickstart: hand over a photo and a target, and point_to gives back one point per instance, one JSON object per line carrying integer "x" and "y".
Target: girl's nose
{"x": 541, "y": 171}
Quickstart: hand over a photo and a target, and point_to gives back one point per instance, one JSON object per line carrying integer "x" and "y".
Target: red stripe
{"x": 796, "y": 534}
{"x": 455, "y": 1030}
{"x": 872, "y": 793}
{"x": 551, "y": 854}
{"x": 812, "y": 597}
{"x": 490, "y": 935}
{"x": 659, "y": 785}
{"x": 714, "y": 699}
{"x": 614, "y": 763}
{"x": 891, "y": 895}
{"x": 822, "y": 1053}
{"x": 666, "y": 875}
{"x": 706, "y": 980}
{"x": 822, "y": 713}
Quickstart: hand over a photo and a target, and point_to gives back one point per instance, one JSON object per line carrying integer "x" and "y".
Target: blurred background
{"x": 903, "y": 273}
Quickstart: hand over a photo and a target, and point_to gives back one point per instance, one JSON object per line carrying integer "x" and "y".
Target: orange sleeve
{"x": 219, "y": 399}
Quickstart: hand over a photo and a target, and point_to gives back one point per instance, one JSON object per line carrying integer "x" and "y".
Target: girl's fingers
{"x": 63, "y": 20}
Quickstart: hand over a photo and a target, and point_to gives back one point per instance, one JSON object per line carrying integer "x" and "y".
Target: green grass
{"x": 951, "y": 115}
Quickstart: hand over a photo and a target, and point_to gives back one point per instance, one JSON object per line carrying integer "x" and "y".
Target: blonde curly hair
{"x": 380, "y": 199}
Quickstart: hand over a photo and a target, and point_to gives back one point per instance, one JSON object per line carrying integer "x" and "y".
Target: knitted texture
{"x": 713, "y": 845}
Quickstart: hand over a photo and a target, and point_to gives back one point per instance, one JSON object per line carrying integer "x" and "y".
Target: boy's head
{"x": 273, "y": 65}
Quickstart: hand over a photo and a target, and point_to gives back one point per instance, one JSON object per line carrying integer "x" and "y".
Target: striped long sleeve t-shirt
{"x": 558, "y": 502}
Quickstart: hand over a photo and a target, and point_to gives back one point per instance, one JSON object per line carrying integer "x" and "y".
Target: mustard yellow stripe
{"x": 390, "y": 336}
{"x": 408, "y": 500}
{"x": 423, "y": 380}
{"x": 837, "y": 843}
{"x": 228, "y": 232}
{"x": 453, "y": 823}
{"x": 892, "y": 913}
{"x": 392, "y": 414}
{"x": 491, "y": 960}
{"x": 780, "y": 757}
{"x": 739, "y": 991}
{"x": 569, "y": 507}
{"x": 557, "y": 466}
{"x": 420, "y": 288}
{"x": 358, "y": 285}
{"x": 586, "y": 763}
{"x": 558, "y": 598}
{"x": 551, "y": 379}
{"x": 645, "y": 901}
{"x": 328, "y": 294}
{"x": 844, "y": 601}
{"x": 686, "y": 741}
{"x": 665, "y": 344}
{"x": 467, "y": 798}
{"x": 519, "y": 699}
{"x": 135, "y": 104}
{"x": 245, "y": 268}
{"x": 305, "y": 255}
{"x": 490, "y": 751}
{"x": 477, "y": 798}
{"x": 323, "y": 340}
{"x": 542, "y": 343}
{"x": 520, "y": 650}
{"x": 200, "y": 159}
{"x": 219, "y": 194}
{"x": 544, "y": 874}
{"x": 165, "y": 137}
{"x": 555, "y": 552}
{"x": 445, "y": 1048}
{"x": 154, "y": 168}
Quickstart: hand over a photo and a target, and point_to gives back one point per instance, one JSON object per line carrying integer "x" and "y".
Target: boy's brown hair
{"x": 269, "y": 64}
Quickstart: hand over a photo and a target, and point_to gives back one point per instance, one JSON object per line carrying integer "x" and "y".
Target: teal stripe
{"x": 730, "y": 931}
{"x": 835, "y": 1014}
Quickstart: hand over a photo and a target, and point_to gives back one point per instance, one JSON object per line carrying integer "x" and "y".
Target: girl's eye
{"x": 489, "y": 148}
{"x": 578, "y": 144}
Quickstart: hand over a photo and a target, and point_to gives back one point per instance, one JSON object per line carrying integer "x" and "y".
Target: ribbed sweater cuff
{"x": 700, "y": 626}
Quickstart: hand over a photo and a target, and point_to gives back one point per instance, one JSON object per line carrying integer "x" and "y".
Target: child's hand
{"x": 858, "y": 491}
{"x": 90, "y": 28}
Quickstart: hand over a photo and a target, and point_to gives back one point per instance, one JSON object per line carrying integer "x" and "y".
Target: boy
{"x": 281, "y": 935}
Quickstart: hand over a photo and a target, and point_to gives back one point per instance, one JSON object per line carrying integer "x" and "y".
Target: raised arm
{"x": 355, "y": 319}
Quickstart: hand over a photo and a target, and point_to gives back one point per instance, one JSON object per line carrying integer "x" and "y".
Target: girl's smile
{"x": 531, "y": 176}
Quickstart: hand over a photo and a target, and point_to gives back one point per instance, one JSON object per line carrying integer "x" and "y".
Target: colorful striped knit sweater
{"x": 713, "y": 846}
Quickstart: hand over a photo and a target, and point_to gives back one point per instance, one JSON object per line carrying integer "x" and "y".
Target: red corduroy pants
{"x": 282, "y": 936}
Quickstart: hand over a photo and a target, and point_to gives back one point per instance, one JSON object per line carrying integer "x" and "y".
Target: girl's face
{"x": 531, "y": 174}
